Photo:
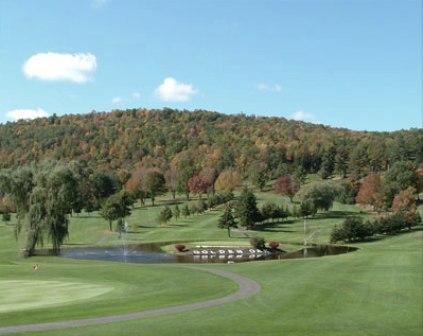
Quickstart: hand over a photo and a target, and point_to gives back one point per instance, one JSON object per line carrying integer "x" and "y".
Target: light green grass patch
{"x": 28, "y": 294}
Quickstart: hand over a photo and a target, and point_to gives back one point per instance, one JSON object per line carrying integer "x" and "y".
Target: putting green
{"x": 27, "y": 294}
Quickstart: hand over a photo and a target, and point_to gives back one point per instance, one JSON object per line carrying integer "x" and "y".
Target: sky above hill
{"x": 345, "y": 63}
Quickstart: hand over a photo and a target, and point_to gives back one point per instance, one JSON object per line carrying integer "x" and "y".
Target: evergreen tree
{"x": 176, "y": 212}
{"x": 227, "y": 220}
{"x": 246, "y": 209}
{"x": 186, "y": 211}
{"x": 165, "y": 215}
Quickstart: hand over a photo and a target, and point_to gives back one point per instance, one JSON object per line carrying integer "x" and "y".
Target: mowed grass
{"x": 34, "y": 294}
{"x": 375, "y": 291}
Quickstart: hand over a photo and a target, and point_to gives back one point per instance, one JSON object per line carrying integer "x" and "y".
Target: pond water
{"x": 151, "y": 253}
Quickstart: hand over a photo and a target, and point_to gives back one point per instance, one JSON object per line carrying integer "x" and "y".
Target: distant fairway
{"x": 28, "y": 294}
{"x": 376, "y": 291}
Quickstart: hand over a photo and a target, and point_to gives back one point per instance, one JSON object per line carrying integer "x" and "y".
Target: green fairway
{"x": 29, "y": 294}
{"x": 375, "y": 291}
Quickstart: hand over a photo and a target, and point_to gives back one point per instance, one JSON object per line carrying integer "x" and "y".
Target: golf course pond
{"x": 152, "y": 253}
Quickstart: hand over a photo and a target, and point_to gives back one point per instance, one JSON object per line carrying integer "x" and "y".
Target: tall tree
{"x": 227, "y": 181}
{"x": 257, "y": 174}
{"x": 319, "y": 195}
{"x": 116, "y": 207}
{"x": 198, "y": 185}
{"x": 371, "y": 192}
{"x": 227, "y": 220}
{"x": 405, "y": 203}
{"x": 185, "y": 172}
{"x": 136, "y": 184}
{"x": 171, "y": 176}
{"x": 286, "y": 186}
{"x": 49, "y": 203}
{"x": 154, "y": 184}
{"x": 341, "y": 160}
{"x": 246, "y": 209}
{"x": 328, "y": 162}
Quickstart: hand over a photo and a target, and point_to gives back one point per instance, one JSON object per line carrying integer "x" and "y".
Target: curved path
{"x": 247, "y": 288}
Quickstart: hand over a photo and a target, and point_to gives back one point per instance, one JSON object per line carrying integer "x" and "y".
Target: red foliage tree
{"x": 371, "y": 192}
{"x": 286, "y": 186}
{"x": 198, "y": 184}
{"x": 405, "y": 202}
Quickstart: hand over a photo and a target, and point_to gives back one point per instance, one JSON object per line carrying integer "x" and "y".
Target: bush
{"x": 6, "y": 217}
{"x": 353, "y": 228}
{"x": 180, "y": 247}
{"x": 274, "y": 244}
{"x": 258, "y": 242}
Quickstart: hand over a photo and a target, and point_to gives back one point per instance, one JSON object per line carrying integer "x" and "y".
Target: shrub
{"x": 257, "y": 242}
{"x": 6, "y": 217}
{"x": 180, "y": 247}
{"x": 274, "y": 244}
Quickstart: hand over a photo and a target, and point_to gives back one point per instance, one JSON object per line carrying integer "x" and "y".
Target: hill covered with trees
{"x": 163, "y": 138}
{"x": 105, "y": 161}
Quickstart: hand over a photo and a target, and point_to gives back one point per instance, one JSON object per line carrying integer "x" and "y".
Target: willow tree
{"x": 50, "y": 205}
{"x": 43, "y": 196}
{"x": 18, "y": 184}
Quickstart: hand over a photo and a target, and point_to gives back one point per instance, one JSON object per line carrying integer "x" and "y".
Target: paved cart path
{"x": 247, "y": 288}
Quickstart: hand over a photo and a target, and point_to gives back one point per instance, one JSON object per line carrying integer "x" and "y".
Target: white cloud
{"x": 270, "y": 88}
{"x": 26, "y": 114}
{"x": 61, "y": 67}
{"x": 136, "y": 95}
{"x": 300, "y": 115}
{"x": 117, "y": 100}
{"x": 173, "y": 91}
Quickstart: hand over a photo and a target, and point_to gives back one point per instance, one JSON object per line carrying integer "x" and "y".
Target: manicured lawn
{"x": 375, "y": 291}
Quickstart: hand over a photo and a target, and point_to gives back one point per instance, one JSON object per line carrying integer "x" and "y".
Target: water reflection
{"x": 151, "y": 253}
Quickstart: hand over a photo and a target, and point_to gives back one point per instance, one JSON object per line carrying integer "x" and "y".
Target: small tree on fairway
{"x": 116, "y": 207}
{"x": 165, "y": 215}
{"x": 286, "y": 186}
{"x": 6, "y": 216}
{"x": 227, "y": 220}
{"x": 258, "y": 242}
{"x": 185, "y": 211}
{"x": 176, "y": 212}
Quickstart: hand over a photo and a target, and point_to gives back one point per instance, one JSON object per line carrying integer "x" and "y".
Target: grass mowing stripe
{"x": 29, "y": 294}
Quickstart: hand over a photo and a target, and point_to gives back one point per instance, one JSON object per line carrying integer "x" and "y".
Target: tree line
{"x": 257, "y": 148}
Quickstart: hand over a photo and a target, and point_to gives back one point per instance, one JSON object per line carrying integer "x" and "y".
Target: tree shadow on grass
{"x": 275, "y": 227}
{"x": 334, "y": 214}
{"x": 177, "y": 225}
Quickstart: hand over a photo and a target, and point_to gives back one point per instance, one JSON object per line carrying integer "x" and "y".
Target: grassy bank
{"x": 375, "y": 291}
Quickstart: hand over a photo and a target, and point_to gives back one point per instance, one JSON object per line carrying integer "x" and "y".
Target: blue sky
{"x": 345, "y": 63}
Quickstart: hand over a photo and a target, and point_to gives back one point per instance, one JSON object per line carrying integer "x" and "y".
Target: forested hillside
{"x": 162, "y": 138}
{"x": 105, "y": 161}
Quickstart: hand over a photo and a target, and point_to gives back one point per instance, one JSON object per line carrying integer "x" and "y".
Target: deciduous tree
{"x": 198, "y": 185}
{"x": 286, "y": 186}
{"x": 154, "y": 184}
{"x": 227, "y": 181}
{"x": 371, "y": 192}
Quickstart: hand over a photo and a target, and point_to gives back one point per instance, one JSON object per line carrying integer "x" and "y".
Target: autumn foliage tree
{"x": 371, "y": 192}
{"x": 227, "y": 181}
{"x": 286, "y": 186}
{"x": 405, "y": 203}
{"x": 198, "y": 185}
{"x": 136, "y": 185}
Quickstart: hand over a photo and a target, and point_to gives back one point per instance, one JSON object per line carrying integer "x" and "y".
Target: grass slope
{"x": 375, "y": 291}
